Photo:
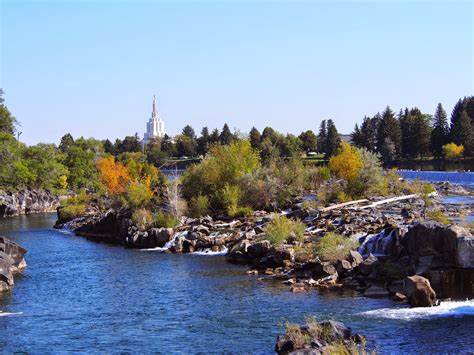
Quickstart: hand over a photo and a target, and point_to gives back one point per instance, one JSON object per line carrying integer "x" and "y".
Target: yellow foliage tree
{"x": 113, "y": 174}
{"x": 452, "y": 150}
{"x": 347, "y": 163}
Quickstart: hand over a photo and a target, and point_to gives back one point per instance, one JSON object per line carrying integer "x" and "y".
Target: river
{"x": 77, "y": 295}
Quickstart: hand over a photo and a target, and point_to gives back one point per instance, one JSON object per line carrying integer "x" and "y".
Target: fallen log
{"x": 389, "y": 200}
{"x": 340, "y": 205}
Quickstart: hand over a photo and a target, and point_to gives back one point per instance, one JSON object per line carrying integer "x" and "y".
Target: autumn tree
{"x": 114, "y": 175}
{"x": 347, "y": 163}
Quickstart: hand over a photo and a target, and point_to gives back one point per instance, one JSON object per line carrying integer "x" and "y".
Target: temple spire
{"x": 154, "y": 105}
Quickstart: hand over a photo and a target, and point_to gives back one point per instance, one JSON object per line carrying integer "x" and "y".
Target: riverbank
{"x": 382, "y": 233}
{"x": 27, "y": 201}
{"x": 145, "y": 300}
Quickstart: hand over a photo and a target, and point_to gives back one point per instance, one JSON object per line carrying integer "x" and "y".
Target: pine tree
{"x": 226, "y": 136}
{"x": 214, "y": 138}
{"x": 440, "y": 132}
{"x": 7, "y": 121}
{"x": 466, "y": 133}
{"x": 67, "y": 140}
{"x": 332, "y": 141}
{"x": 389, "y": 136}
{"x": 322, "y": 137}
{"x": 254, "y": 137}
{"x": 203, "y": 141}
{"x": 189, "y": 132}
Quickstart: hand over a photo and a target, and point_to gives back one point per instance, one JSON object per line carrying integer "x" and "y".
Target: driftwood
{"x": 389, "y": 200}
{"x": 333, "y": 207}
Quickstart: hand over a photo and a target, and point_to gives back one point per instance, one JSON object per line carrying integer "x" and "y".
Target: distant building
{"x": 155, "y": 127}
{"x": 346, "y": 137}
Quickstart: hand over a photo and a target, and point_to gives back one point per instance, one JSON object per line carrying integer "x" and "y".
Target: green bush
{"x": 138, "y": 194}
{"x": 71, "y": 211}
{"x": 198, "y": 206}
{"x": 164, "y": 220}
{"x": 334, "y": 247}
{"x": 142, "y": 218}
{"x": 280, "y": 228}
{"x": 231, "y": 196}
{"x": 437, "y": 216}
{"x": 242, "y": 212}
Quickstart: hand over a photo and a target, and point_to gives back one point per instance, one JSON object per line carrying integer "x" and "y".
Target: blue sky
{"x": 91, "y": 67}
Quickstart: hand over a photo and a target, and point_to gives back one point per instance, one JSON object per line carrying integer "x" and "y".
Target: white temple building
{"x": 155, "y": 127}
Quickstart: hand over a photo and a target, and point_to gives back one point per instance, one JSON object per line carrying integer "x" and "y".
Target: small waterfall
{"x": 379, "y": 244}
{"x": 209, "y": 252}
{"x": 168, "y": 244}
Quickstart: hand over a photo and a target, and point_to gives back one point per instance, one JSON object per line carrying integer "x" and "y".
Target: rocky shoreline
{"x": 27, "y": 201}
{"x": 12, "y": 261}
{"x": 397, "y": 243}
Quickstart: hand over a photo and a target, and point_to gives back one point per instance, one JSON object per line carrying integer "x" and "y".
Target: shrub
{"x": 71, "y": 211}
{"x": 164, "y": 220}
{"x": 304, "y": 252}
{"x": 280, "y": 228}
{"x": 231, "y": 196}
{"x": 139, "y": 194}
{"x": 198, "y": 206}
{"x": 309, "y": 205}
{"x": 452, "y": 151}
{"x": 334, "y": 247}
{"x": 142, "y": 218}
{"x": 242, "y": 212}
{"x": 347, "y": 164}
{"x": 223, "y": 165}
{"x": 370, "y": 179}
{"x": 437, "y": 216}
{"x": 296, "y": 336}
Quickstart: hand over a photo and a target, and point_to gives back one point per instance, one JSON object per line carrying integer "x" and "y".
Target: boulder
{"x": 27, "y": 201}
{"x": 277, "y": 257}
{"x": 368, "y": 265}
{"x": 355, "y": 258}
{"x": 259, "y": 249}
{"x": 418, "y": 291}
{"x": 161, "y": 236}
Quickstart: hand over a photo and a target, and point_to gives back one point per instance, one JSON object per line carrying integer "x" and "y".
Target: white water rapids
{"x": 445, "y": 309}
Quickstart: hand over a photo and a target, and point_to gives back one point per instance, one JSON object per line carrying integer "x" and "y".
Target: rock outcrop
{"x": 325, "y": 337}
{"x": 27, "y": 201}
{"x": 11, "y": 261}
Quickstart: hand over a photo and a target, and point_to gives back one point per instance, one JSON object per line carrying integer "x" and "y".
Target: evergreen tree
{"x": 357, "y": 138}
{"x": 308, "y": 141}
{"x": 226, "y": 136}
{"x": 389, "y": 136}
{"x": 168, "y": 146}
{"x": 416, "y": 132}
{"x": 203, "y": 142}
{"x": 465, "y": 134}
{"x": 332, "y": 141}
{"x": 440, "y": 132}
{"x": 66, "y": 142}
{"x": 254, "y": 137}
{"x": 189, "y": 132}
{"x": 214, "y": 138}
{"x": 321, "y": 140}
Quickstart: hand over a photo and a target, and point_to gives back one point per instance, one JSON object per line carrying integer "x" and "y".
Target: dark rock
{"x": 399, "y": 297}
{"x": 449, "y": 246}
{"x": 27, "y": 201}
{"x": 161, "y": 236}
{"x": 355, "y": 258}
{"x": 419, "y": 292}
{"x": 259, "y": 249}
{"x": 368, "y": 265}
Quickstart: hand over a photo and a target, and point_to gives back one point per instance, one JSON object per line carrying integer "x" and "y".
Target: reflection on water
{"x": 77, "y": 295}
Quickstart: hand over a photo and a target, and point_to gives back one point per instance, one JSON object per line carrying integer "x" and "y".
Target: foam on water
{"x": 5, "y": 314}
{"x": 445, "y": 309}
{"x": 209, "y": 252}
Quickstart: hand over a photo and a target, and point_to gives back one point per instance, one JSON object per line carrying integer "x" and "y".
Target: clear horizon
{"x": 91, "y": 68}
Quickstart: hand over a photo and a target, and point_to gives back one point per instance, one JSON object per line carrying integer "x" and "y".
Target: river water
{"x": 77, "y": 295}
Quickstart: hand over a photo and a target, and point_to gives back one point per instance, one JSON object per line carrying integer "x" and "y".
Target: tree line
{"x": 412, "y": 134}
